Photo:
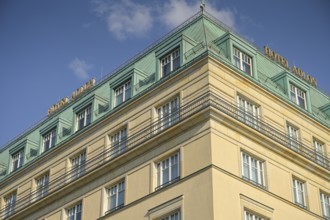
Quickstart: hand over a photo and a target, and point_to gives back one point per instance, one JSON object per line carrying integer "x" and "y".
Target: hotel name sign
{"x": 63, "y": 102}
{"x": 295, "y": 70}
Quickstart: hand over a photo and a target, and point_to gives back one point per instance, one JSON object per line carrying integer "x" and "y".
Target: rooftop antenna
{"x": 203, "y": 6}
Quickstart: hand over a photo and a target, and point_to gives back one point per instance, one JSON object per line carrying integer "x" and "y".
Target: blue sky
{"x": 50, "y": 48}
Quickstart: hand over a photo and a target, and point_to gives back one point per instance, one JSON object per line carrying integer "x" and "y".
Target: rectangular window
{"x": 251, "y": 216}
{"x": 168, "y": 114}
{"x": 299, "y": 193}
{"x": 253, "y": 169}
{"x": 298, "y": 96}
{"x": 325, "y": 204}
{"x": 84, "y": 117}
{"x": 168, "y": 170}
{"x": 293, "y": 137}
{"x": 174, "y": 216}
{"x": 49, "y": 140}
{"x": 17, "y": 160}
{"x": 123, "y": 93}
{"x": 170, "y": 62}
{"x": 10, "y": 202}
{"x": 116, "y": 196}
{"x": 78, "y": 164}
{"x": 74, "y": 213}
{"x": 242, "y": 61}
{"x": 118, "y": 142}
{"x": 248, "y": 112}
{"x": 320, "y": 155}
{"x": 42, "y": 186}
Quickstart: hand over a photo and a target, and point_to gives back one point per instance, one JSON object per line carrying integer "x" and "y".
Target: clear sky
{"x": 50, "y": 48}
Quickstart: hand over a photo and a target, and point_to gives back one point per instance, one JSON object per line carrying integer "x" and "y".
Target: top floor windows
{"x": 118, "y": 142}
{"x": 84, "y": 117}
{"x": 42, "y": 186}
{"x": 298, "y": 96}
{"x": 168, "y": 114}
{"x": 242, "y": 61}
{"x": 170, "y": 62}
{"x": 248, "y": 112}
{"x": 293, "y": 135}
{"x": 49, "y": 139}
{"x": 78, "y": 165}
{"x": 123, "y": 93}
{"x": 17, "y": 160}
{"x": 320, "y": 154}
{"x": 10, "y": 202}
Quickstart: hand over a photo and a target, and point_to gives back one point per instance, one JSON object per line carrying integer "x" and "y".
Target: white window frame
{"x": 17, "y": 160}
{"x": 325, "y": 204}
{"x": 298, "y": 96}
{"x": 10, "y": 202}
{"x": 118, "y": 142}
{"x": 241, "y": 60}
{"x": 299, "y": 192}
{"x": 85, "y": 115}
{"x": 251, "y": 216}
{"x": 173, "y": 216}
{"x": 124, "y": 91}
{"x": 253, "y": 169}
{"x": 168, "y": 114}
{"x": 172, "y": 59}
{"x": 293, "y": 137}
{"x": 249, "y": 112}
{"x": 74, "y": 212}
{"x": 320, "y": 154}
{"x": 42, "y": 186}
{"x": 170, "y": 165}
{"x": 78, "y": 165}
{"x": 117, "y": 194}
{"x": 49, "y": 140}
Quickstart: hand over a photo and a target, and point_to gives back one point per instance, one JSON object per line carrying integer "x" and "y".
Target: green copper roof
{"x": 199, "y": 34}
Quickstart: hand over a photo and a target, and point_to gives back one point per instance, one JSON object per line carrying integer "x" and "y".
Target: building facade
{"x": 200, "y": 125}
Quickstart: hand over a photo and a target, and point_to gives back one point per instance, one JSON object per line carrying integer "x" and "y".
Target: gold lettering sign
{"x": 295, "y": 70}
{"x": 59, "y": 105}
{"x": 83, "y": 89}
{"x": 276, "y": 57}
{"x": 301, "y": 74}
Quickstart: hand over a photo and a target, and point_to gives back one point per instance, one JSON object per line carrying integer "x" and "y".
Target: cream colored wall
{"x": 232, "y": 195}
{"x": 196, "y": 200}
{"x": 229, "y": 84}
{"x": 201, "y": 142}
{"x": 226, "y": 148}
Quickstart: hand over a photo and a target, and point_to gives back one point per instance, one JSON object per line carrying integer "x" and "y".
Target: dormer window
{"x": 17, "y": 160}
{"x": 242, "y": 61}
{"x": 123, "y": 93}
{"x": 170, "y": 62}
{"x": 298, "y": 96}
{"x": 49, "y": 139}
{"x": 84, "y": 117}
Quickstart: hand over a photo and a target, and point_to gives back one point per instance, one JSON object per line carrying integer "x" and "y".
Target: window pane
{"x": 252, "y": 169}
{"x": 176, "y": 63}
{"x": 166, "y": 69}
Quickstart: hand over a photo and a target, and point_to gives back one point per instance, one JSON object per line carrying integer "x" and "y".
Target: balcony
{"x": 205, "y": 101}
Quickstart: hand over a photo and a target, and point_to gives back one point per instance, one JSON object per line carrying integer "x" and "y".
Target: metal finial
{"x": 203, "y": 6}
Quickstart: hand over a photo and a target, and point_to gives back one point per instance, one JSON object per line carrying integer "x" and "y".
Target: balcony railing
{"x": 159, "y": 126}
